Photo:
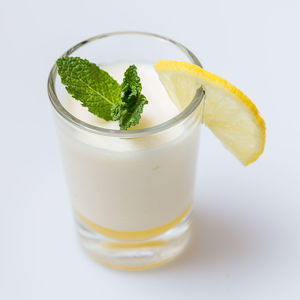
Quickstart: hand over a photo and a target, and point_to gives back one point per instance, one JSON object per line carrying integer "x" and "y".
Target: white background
{"x": 246, "y": 238}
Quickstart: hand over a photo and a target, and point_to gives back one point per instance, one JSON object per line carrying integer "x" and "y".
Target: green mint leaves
{"x": 100, "y": 93}
{"x": 86, "y": 82}
{"x": 129, "y": 111}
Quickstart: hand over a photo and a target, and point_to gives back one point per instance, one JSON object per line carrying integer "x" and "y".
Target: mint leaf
{"x": 100, "y": 93}
{"x": 131, "y": 86}
{"x": 129, "y": 111}
{"x": 86, "y": 82}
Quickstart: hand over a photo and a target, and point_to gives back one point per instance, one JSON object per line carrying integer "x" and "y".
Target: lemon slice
{"x": 229, "y": 113}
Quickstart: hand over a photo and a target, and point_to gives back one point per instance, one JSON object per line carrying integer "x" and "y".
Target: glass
{"x": 131, "y": 191}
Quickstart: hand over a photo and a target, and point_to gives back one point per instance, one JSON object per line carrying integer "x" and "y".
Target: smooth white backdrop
{"x": 246, "y": 238}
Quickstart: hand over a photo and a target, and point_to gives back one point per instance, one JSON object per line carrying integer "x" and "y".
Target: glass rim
{"x": 124, "y": 133}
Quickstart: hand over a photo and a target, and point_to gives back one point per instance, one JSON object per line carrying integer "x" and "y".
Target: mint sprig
{"x": 102, "y": 94}
{"x": 129, "y": 111}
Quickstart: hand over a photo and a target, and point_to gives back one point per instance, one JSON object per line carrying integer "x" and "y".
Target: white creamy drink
{"x": 131, "y": 185}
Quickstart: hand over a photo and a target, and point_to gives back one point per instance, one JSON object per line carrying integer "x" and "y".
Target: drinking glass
{"x": 131, "y": 191}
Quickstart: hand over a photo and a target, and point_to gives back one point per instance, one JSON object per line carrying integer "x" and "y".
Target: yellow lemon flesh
{"x": 229, "y": 113}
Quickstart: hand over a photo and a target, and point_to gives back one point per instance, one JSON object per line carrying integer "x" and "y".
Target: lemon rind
{"x": 197, "y": 71}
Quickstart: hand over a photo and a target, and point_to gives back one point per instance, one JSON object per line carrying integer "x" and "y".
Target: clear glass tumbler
{"x": 132, "y": 205}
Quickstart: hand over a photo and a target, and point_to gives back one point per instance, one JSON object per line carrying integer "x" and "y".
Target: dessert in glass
{"x": 131, "y": 191}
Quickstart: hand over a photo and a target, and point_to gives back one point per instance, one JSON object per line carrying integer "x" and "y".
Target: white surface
{"x": 246, "y": 241}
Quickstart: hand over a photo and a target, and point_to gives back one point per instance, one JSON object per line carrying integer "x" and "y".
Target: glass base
{"x": 135, "y": 254}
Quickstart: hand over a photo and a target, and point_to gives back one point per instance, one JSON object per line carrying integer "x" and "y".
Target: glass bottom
{"x": 135, "y": 254}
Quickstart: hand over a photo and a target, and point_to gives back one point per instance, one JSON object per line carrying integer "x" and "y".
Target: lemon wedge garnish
{"x": 229, "y": 113}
